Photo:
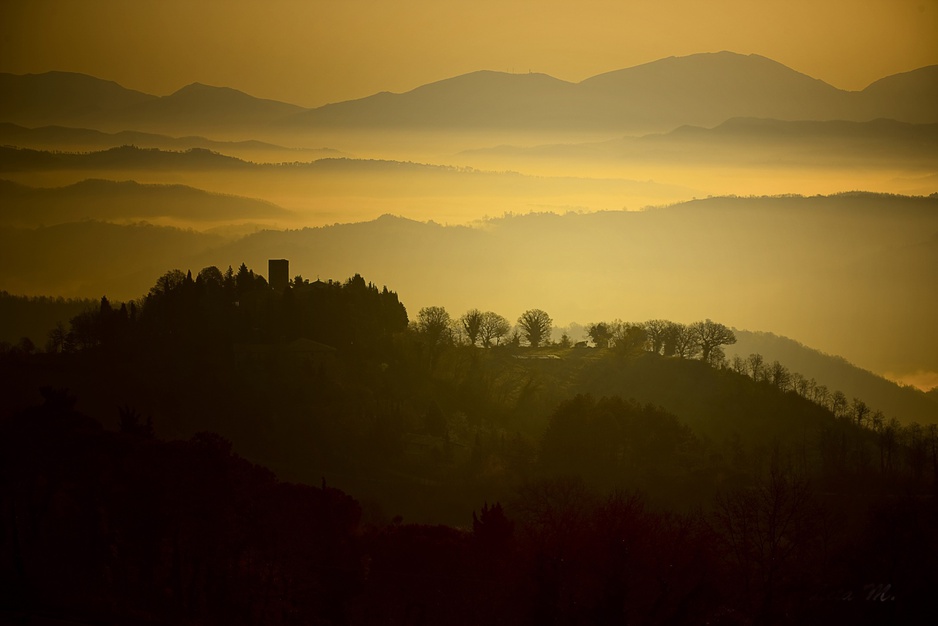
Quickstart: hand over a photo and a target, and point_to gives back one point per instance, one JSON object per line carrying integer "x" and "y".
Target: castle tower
{"x": 278, "y": 273}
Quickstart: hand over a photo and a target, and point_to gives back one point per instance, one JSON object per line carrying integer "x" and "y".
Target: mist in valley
{"x": 498, "y": 347}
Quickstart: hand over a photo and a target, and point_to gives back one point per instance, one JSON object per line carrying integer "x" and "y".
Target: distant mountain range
{"x": 700, "y": 89}
{"x": 752, "y": 141}
{"x": 126, "y": 201}
{"x": 61, "y": 138}
{"x": 328, "y": 177}
{"x": 68, "y": 99}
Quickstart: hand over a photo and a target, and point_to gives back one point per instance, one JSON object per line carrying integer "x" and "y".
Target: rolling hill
{"x": 837, "y": 374}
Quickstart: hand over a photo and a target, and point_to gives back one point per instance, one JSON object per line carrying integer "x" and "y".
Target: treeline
{"x": 27, "y": 320}
{"x": 401, "y": 382}
{"x": 217, "y": 309}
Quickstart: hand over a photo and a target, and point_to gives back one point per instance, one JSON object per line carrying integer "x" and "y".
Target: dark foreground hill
{"x": 582, "y": 503}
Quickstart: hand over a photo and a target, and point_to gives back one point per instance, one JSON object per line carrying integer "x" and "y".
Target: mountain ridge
{"x": 694, "y": 89}
{"x": 125, "y": 201}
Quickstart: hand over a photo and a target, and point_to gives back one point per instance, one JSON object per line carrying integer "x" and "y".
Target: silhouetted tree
{"x": 600, "y": 334}
{"x": 860, "y": 411}
{"x": 756, "y": 367}
{"x": 821, "y": 395}
{"x": 493, "y": 327}
{"x": 491, "y": 528}
{"x": 169, "y": 282}
{"x": 58, "y": 338}
{"x": 681, "y": 341}
{"x": 709, "y": 335}
{"x": 838, "y": 404}
{"x": 434, "y": 323}
{"x": 779, "y": 376}
{"x": 656, "y": 331}
{"x": 471, "y": 323}
{"x": 536, "y": 325}
{"x": 628, "y": 338}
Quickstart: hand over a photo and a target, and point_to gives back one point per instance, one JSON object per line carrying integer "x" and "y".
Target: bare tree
{"x": 756, "y": 364}
{"x": 536, "y": 325}
{"x": 779, "y": 376}
{"x": 860, "y": 411}
{"x": 656, "y": 331}
{"x": 838, "y": 404}
{"x": 800, "y": 384}
{"x": 492, "y": 328}
{"x": 681, "y": 342}
{"x": 821, "y": 395}
{"x": 471, "y": 323}
{"x": 709, "y": 335}
{"x": 434, "y": 323}
{"x": 628, "y": 338}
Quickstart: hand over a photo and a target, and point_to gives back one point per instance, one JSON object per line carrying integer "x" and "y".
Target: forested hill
{"x": 557, "y": 456}
{"x": 836, "y": 373}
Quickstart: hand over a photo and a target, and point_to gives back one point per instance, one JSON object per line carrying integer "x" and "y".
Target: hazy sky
{"x": 316, "y": 51}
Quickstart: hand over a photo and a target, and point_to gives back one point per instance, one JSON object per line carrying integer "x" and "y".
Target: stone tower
{"x": 278, "y": 273}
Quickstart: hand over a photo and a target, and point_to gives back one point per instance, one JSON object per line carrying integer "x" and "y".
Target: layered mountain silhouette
{"x": 126, "y": 201}
{"x": 63, "y": 138}
{"x": 57, "y": 97}
{"x": 63, "y": 98}
{"x": 331, "y": 177}
{"x": 701, "y": 89}
{"x": 753, "y": 140}
{"x": 120, "y": 158}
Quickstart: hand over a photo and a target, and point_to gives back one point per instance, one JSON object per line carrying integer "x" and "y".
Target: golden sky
{"x": 317, "y": 51}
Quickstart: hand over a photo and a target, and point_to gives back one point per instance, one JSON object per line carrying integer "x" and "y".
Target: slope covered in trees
{"x": 836, "y": 373}
{"x": 633, "y": 482}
